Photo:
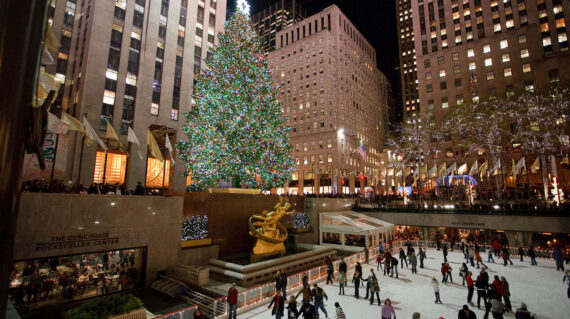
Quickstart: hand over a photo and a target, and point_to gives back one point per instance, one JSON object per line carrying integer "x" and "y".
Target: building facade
{"x": 477, "y": 48}
{"x": 408, "y": 67}
{"x": 276, "y": 17}
{"x": 130, "y": 63}
{"x": 334, "y": 98}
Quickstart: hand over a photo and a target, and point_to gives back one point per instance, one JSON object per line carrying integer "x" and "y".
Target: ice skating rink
{"x": 540, "y": 287}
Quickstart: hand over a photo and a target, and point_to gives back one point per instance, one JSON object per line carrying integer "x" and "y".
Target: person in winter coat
{"x": 521, "y": 252}
{"x": 443, "y": 273}
{"x": 463, "y": 273}
{"x": 278, "y": 304}
{"x": 497, "y": 308}
{"x": 339, "y": 312}
{"x": 330, "y": 272}
{"x": 472, "y": 256}
{"x": 506, "y": 294}
{"x": 387, "y": 262}
{"x": 485, "y": 275}
{"x": 403, "y": 258}
{"x": 479, "y": 259}
{"x": 490, "y": 255}
{"x": 308, "y": 311}
{"x": 435, "y": 285}
{"x": 305, "y": 279}
{"x": 496, "y": 247}
{"x": 394, "y": 267}
{"x": 341, "y": 283}
{"x": 374, "y": 287}
{"x": 422, "y": 256}
{"x": 523, "y": 313}
{"x": 292, "y": 312}
{"x": 284, "y": 283}
{"x": 559, "y": 259}
{"x": 481, "y": 286}
{"x": 532, "y": 255}
{"x": 505, "y": 257}
{"x": 306, "y": 292}
{"x": 277, "y": 280}
{"x": 387, "y": 310}
{"x": 466, "y": 313}
{"x": 444, "y": 252}
{"x": 414, "y": 262}
{"x": 342, "y": 267}
{"x": 498, "y": 286}
{"x": 318, "y": 294}
{"x": 379, "y": 261}
{"x": 358, "y": 268}
{"x": 449, "y": 269}
{"x": 232, "y": 300}
{"x": 470, "y": 287}
{"x": 356, "y": 281}
{"x": 567, "y": 279}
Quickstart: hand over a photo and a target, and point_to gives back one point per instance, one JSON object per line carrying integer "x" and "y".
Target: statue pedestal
{"x": 255, "y": 258}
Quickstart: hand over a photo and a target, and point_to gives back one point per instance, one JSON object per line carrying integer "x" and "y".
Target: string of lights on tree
{"x": 195, "y": 227}
{"x": 235, "y": 128}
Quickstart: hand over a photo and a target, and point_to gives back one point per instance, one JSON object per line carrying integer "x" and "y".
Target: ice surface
{"x": 540, "y": 287}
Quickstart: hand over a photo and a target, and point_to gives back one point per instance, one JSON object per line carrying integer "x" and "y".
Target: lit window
{"x": 329, "y": 143}
{"x": 442, "y": 73}
{"x": 428, "y": 75}
{"x": 116, "y": 167}
{"x": 504, "y": 44}
{"x": 455, "y": 56}
{"x": 506, "y": 58}
{"x": 524, "y": 53}
{"x": 472, "y": 66}
{"x": 529, "y": 87}
{"x": 470, "y": 53}
{"x": 488, "y": 62}
{"x": 131, "y": 79}
{"x": 329, "y": 158}
{"x": 456, "y": 69}
{"x": 497, "y": 27}
{"x": 522, "y": 38}
{"x": 562, "y": 37}
{"x": 154, "y": 109}
{"x": 507, "y": 72}
{"x": 430, "y": 105}
{"x": 544, "y": 27}
{"x": 526, "y": 68}
{"x": 486, "y": 48}
{"x": 490, "y": 76}
{"x": 444, "y": 103}
{"x": 174, "y": 115}
{"x": 459, "y": 100}
{"x": 109, "y": 97}
{"x": 546, "y": 42}
{"x": 111, "y": 74}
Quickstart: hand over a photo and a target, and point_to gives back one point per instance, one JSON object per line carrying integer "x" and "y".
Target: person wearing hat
{"x": 232, "y": 301}
{"x": 466, "y": 313}
{"x": 523, "y": 313}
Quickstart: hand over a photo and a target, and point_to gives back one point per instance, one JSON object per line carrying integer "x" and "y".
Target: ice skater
{"x": 505, "y": 254}
{"x": 521, "y": 252}
{"x": 470, "y": 288}
{"x": 567, "y": 279}
{"x": 374, "y": 287}
{"x": 422, "y": 257}
{"x": 435, "y": 285}
{"x": 490, "y": 255}
{"x": 278, "y": 304}
{"x": 394, "y": 267}
{"x": 463, "y": 273}
{"x": 379, "y": 261}
{"x": 318, "y": 294}
{"x": 356, "y": 282}
{"x": 414, "y": 262}
{"x": 444, "y": 249}
{"x": 479, "y": 260}
{"x": 339, "y": 312}
{"x": 403, "y": 259}
{"x": 341, "y": 283}
{"x": 481, "y": 290}
{"x": 387, "y": 310}
{"x": 532, "y": 255}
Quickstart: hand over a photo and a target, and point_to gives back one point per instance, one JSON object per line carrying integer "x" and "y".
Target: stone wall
{"x": 68, "y": 224}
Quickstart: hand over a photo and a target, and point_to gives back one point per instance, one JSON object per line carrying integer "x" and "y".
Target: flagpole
{"x": 105, "y": 163}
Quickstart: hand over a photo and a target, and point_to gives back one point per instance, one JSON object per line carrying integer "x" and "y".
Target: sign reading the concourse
{"x": 99, "y": 240}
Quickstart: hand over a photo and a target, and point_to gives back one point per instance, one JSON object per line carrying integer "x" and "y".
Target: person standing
{"x": 558, "y": 258}
{"x": 232, "y": 301}
{"x": 341, "y": 283}
{"x": 318, "y": 295}
{"x": 497, "y": 308}
{"x": 506, "y": 294}
{"x": 387, "y": 262}
{"x": 466, "y": 313}
{"x": 306, "y": 292}
{"x": 521, "y": 252}
{"x": 358, "y": 268}
{"x": 356, "y": 282}
{"x": 339, "y": 312}
{"x": 284, "y": 283}
{"x": 444, "y": 248}
{"x": 330, "y": 272}
{"x": 443, "y": 273}
{"x": 403, "y": 258}
{"x": 278, "y": 304}
{"x": 379, "y": 260}
{"x": 435, "y": 285}
{"x": 277, "y": 280}
{"x": 422, "y": 257}
{"x": 479, "y": 260}
{"x": 449, "y": 269}
{"x": 414, "y": 262}
{"x": 374, "y": 287}
{"x": 342, "y": 267}
{"x": 472, "y": 256}
{"x": 394, "y": 267}
{"x": 567, "y": 279}
{"x": 470, "y": 287}
{"x": 463, "y": 273}
{"x": 481, "y": 291}
{"x": 366, "y": 254}
{"x": 292, "y": 312}
{"x": 532, "y": 255}
{"x": 387, "y": 310}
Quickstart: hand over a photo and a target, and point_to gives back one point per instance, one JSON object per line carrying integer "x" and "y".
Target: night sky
{"x": 375, "y": 19}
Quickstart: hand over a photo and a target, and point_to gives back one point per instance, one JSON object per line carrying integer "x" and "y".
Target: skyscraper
{"x": 276, "y": 17}
{"x": 335, "y": 99}
{"x": 408, "y": 68}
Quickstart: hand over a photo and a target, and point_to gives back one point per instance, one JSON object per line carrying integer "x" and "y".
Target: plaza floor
{"x": 540, "y": 287}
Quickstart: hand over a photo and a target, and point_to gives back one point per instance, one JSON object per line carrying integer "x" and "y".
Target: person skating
{"x": 497, "y": 308}
{"x": 463, "y": 273}
{"x": 284, "y": 284}
{"x": 414, "y": 262}
{"x": 567, "y": 279}
{"x": 374, "y": 287}
{"x": 532, "y": 255}
{"x": 358, "y": 268}
{"x": 387, "y": 262}
{"x": 277, "y": 280}
{"x": 367, "y": 286}
{"x": 498, "y": 287}
{"x": 558, "y": 257}
{"x": 444, "y": 249}
{"x": 232, "y": 301}
{"x": 472, "y": 256}
{"x": 521, "y": 252}
{"x": 523, "y": 313}
{"x": 403, "y": 258}
{"x": 505, "y": 256}
{"x": 292, "y": 311}
{"x": 506, "y": 294}
{"x": 339, "y": 312}
{"x": 466, "y": 313}
{"x": 307, "y": 294}
{"x": 278, "y": 304}
{"x": 422, "y": 254}
{"x": 318, "y": 294}
{"x": 388, "y": 311}
{"x": 496, "y": 247}
{"x": 342, "y": 266}
{"x": 435, "y": 285}
{"x": 470, "y": 287}
{"x": 394, "y": 268}
{"x": 443, "y": 273}
{"x": 341, "y": 283}
{"x": 330, "y": 272}
{"x": 490, "y": 255}
{"x": 481, "y": 291}
{"x": 449, "y": 269}
{"x": 308, "y": 311}
{"x": 356, "y": 281}
{"x": 479, "y": 260}
{"x": 379, "y": 261}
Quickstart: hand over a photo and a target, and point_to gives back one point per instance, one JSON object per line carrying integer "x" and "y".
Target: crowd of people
{"x": 58, "y": 186}
{"x": 69, "y": 278}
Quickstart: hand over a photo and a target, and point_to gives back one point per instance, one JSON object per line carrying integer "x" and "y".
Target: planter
{"x": 235, "y": 191}
{"x": 301, "y": 230}
{"x": 137, "y": 314}
{"x": 196, "y": 242}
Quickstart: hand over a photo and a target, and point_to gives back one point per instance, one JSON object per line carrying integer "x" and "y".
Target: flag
{"x": 133, "y": 139}
{"x": 442, "y": 169}
{"x": 433, "y": 171}
{"x": 74, "y": 124}
{"x": 474, "y": 169}
{"x": 451, "y": 171}
{"x": 535, "y": 166}
{"x": 496, "y": 167}
{"x": 56, "y": 125}
{"x": 520, "y": 164}
{"x": 154, "y": 149}
{"x": 399, "y": 173}
{"x": 423, "y": 169}
{"x": 462, "y": 169}
{"x": 473, "y": 82}
{"x": 169, "y": 147}
{"x": 553, "y": 166}
{"x": 416, "y": 172}
{"x": 362, "y": 151}
{"x": 406, "y": 171}
{"x": 391, "y": 172}
{"x": 484, "y": 167}
{"x": 51, "y": 40}
{"x": 513, "y": 168}
{"x": 565, "y": 160}
{"x": 91, "y": 135}
{"x": 110, "y": 134}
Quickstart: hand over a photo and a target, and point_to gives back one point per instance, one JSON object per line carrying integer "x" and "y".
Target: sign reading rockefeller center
{"x": 77, "y": 241}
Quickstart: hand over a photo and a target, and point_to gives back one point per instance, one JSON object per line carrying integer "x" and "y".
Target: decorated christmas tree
{"x": 236, "y": 127}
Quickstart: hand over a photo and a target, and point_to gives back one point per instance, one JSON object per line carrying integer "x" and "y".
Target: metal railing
{"x": 184, "y": 313}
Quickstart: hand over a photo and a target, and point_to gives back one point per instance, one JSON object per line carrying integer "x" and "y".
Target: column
{"x": 351, "y": 182}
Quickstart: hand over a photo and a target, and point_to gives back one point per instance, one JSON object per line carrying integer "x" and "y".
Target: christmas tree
{"x": 236, "y": 127}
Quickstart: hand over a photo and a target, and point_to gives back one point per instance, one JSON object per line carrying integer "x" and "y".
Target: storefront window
{"x": 155, "y": 173}
{"x": 354, "y": 240}
{"x": 116, "y": 165}
{"x": 332, "y": 238}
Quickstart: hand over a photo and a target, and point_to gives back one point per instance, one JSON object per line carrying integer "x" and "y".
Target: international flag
{"x": 473, "y": 82}
{"x": 154, "y": 149}
{"x": 131, "y": 137}
{"x": 74, "y": 124}
{"x": 474, "y": 169}
{"x": 484, "y": 167}
{"x": 433, "y": 171}
{"x": 362, "y": 151}
{"x": 535, "y": 166}
{"x": 56, "y": 125}
{"x": 91, "y": 135}
{"x": 520, "y": 164}
{"x": 110, "y": 133}
{"x": 169, "y": 147}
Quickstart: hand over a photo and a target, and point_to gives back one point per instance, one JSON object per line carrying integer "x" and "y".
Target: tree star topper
{"x": 243, "y": 6}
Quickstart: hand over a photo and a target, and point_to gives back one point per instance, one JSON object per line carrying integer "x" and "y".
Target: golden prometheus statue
{"x": 270, "y": 233}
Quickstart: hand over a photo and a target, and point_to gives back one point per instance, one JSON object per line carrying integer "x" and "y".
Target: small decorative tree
{"x": 301, "y": 220}
{"x": 195, "y": 227}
